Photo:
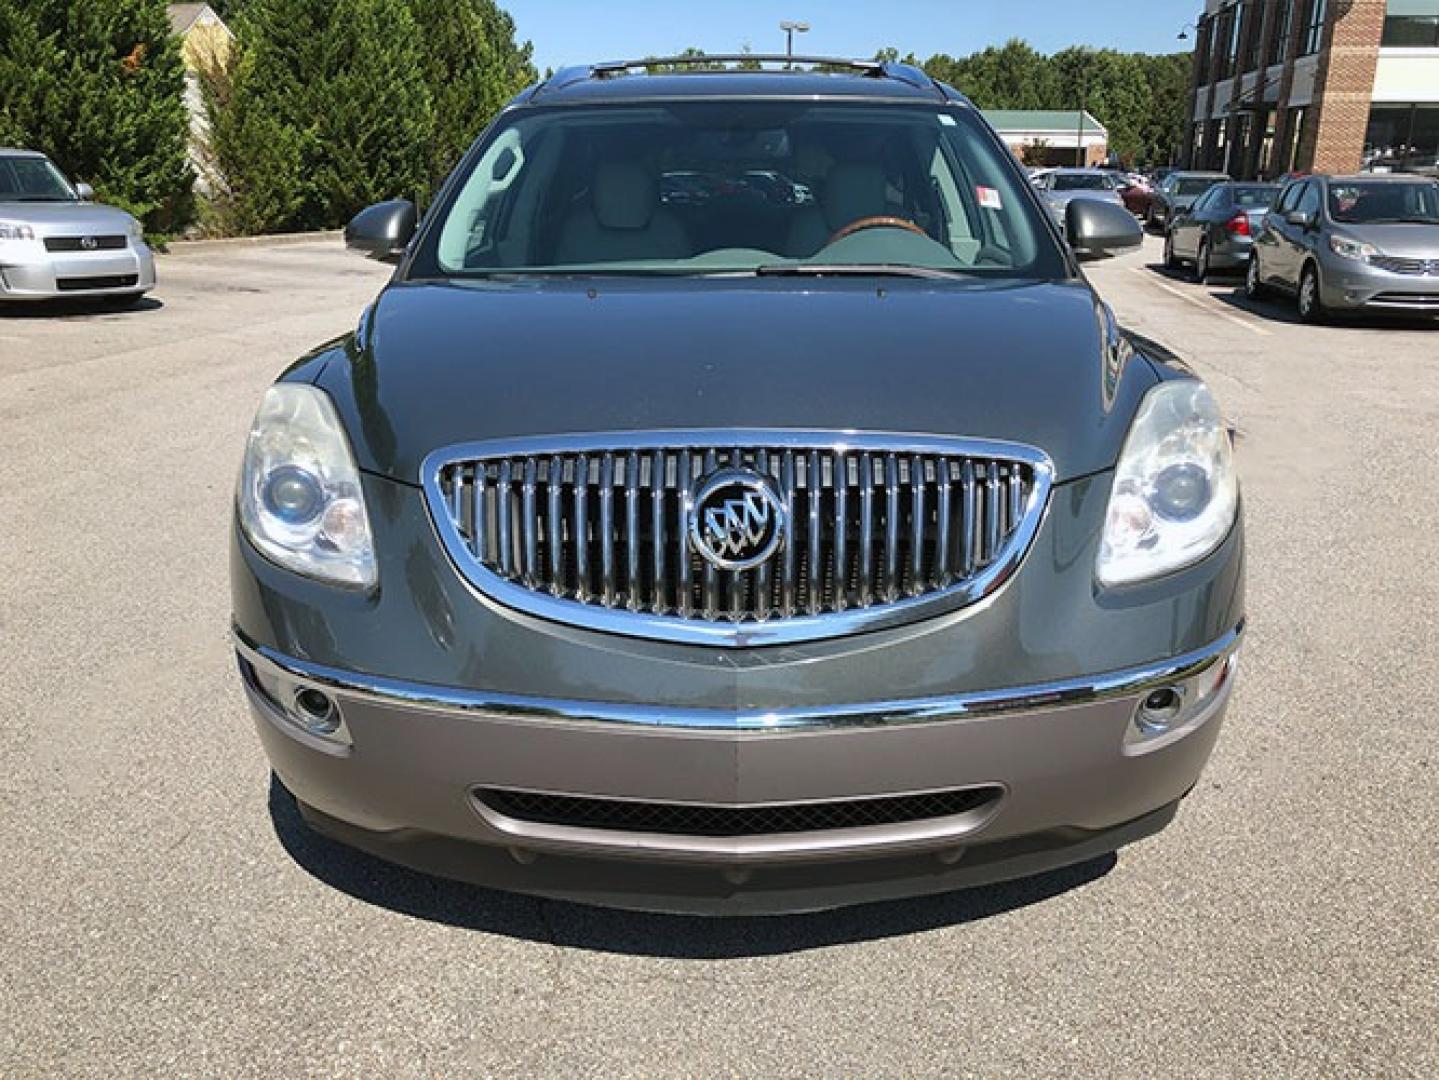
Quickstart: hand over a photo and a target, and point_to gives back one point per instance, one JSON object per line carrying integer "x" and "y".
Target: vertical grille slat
{"x": 684, "y": 476}
{"x": 841, "y": 532}
{"x": 889, "y": 587}
{"x": 814, "y": 560}
{"x": 659, "y": 537}
{"x": 787, "y": 479}
{"x": 554, "y": 525}
{"x": 866, "y": 530}
{"x": 504, "y": 540}
{"x": 940, "y": 577}
{"x": 632, "y": 532}
{"x": 580, "y": 539}
{"x": 866, "y": 525}
{"x": 607, "y": 530}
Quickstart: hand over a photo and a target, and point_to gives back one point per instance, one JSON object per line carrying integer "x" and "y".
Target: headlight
{"x": 1352, "y": 249}
{"x": 300, "y": 500}
{"x": 1175, "y": 494}
{"x": 16, "y": 230}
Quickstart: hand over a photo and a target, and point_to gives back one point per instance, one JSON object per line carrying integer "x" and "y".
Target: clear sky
{"x": 580, "y": 31}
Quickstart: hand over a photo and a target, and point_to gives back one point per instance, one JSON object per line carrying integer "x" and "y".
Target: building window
{"x": 1284, "y": 159}
{"x": 1313, "y": 36}
{"x": 1284, "y": 22}
{"x": 1253, "y": 21}
{"x": 1202, "y": 45}
{"x": 1402, "y": 138}
{"x": 1412, "y": 24}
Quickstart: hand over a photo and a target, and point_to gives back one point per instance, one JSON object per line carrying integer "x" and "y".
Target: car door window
{"x": 1309, "y": 200}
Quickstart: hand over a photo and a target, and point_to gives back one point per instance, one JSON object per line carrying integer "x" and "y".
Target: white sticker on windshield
{"x": 989, "y": 198}
{"x": 947, "y": 120}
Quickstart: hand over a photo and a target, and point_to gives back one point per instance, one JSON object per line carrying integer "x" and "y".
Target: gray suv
{"x": 661, "y": 544}
{"x": 1351, "y": 244}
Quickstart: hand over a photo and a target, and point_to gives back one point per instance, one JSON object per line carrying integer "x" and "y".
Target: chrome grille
{"x": 1398, "y": 265}
{"x": 879, "y": 529}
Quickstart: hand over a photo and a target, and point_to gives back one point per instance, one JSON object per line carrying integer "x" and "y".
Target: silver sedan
{"x": 54, "y": 242}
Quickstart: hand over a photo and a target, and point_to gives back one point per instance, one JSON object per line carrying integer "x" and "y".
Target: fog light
{"x": 1159, "y": 709}
{"x": 317, "y": 712}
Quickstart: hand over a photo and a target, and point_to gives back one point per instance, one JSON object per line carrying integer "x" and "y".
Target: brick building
{"x": 1315, "y": 86}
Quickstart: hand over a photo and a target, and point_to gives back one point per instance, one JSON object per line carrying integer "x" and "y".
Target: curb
{"x": 197, "y": 247}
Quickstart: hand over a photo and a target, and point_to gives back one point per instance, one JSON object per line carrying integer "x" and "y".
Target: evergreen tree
{"x": 99, "y": 86}
{"x": 374, "y": 134}
{"x": 472, "y": 66}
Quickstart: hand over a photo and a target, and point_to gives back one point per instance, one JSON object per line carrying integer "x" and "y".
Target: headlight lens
{"x": 300, "y": 499}
{"x": 1175, "y": 493}
{"x": 16, "y": 230}
{"x": 1352, "y": 249}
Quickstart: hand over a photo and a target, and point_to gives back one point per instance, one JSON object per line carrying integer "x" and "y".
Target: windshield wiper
{"x": 855, "y": 270}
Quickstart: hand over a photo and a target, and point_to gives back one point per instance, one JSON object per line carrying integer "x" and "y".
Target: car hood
{"x": 437, "y": 364}
{"x": 68, "y": 217}
{"x": 1406, "y": 240}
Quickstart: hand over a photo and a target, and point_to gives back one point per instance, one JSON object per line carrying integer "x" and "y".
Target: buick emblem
{"x": 737, "y": 520}
{"x": 89, "y": 243}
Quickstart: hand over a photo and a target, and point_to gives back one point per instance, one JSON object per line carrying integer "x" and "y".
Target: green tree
{"x": 99, "y": 86}
{"x": 373, "y": 136}
{"x": 472, "y": 66}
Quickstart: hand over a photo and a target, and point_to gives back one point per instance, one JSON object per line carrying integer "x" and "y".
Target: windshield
{"x": 1254, "y": 196}
{"x": 1377, "y": 201}
{"x": 740, "y": 187}
{"x": 1081, "y": 182}
{"x": 1194, "y": 185}
{"x": 27, "y": 179}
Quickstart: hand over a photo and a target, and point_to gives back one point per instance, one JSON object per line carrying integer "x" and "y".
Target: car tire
{"x": 1201, "y": 263}
{"x": 1171, "y": 261}
{"x": 1310, "y": 299}
{"x": 1254, "y": 287}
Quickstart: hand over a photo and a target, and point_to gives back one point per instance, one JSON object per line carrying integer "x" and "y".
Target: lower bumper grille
{"x": 85, "y": 284}
{"x": 683, "y": 819}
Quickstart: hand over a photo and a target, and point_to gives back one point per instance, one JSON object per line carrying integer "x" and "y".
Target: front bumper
{"x": 403, "y": 774}
{"x": 29, "y": 272}
{"x": 1351, "y": 285}
{"x": 1031, "y": 694}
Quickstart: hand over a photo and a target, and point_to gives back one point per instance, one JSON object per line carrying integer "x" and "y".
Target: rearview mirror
{"x": 382, "y": 231}
{"x": 84, "y": 192}
{"x": 1096, "y": 228}
{"x": 1302, "y": 218}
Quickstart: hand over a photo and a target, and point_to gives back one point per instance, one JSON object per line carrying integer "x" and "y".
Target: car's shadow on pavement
{"x": 77, "y": 308}
{"x": 580, "y": 926}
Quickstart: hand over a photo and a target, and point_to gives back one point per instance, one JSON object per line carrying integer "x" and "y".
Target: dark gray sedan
{"x": 716, "y": 557}
{"x": 1351, "y": 244}
{"x": 1216, "y": 234}
{"x": 1176, "y": 193}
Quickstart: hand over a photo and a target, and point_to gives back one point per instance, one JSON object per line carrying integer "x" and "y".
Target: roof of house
{"x": 1060, "y": 121}
{"x": 183, "y": 16}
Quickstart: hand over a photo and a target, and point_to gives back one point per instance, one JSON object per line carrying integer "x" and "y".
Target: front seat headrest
{"x": 625, "y": 195}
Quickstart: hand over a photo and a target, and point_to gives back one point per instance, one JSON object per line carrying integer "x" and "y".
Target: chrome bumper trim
{"x": 398, "y": 693}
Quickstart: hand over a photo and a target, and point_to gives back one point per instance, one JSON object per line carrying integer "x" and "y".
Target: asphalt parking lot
{"x": 165, "y": 912}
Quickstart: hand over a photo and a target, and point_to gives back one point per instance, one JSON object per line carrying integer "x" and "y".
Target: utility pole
{"x": 790, "y": 29}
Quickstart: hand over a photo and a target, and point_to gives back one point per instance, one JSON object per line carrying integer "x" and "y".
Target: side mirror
{"x": 1303, "y": 218}
{"x": 1094, "y": 228}
{"x": 85, "y": 192}
{"x": 382, "y": 231}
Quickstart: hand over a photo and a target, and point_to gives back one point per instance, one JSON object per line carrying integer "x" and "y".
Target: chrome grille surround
{"x": 1398, "y": 264}
{"x": 910, "y": 551}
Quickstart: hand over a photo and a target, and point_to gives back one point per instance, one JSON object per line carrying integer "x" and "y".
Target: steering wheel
{"x": 878, "y": 222}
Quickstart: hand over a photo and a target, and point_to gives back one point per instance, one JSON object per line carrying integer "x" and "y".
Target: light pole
{"x": 790, "y": 29}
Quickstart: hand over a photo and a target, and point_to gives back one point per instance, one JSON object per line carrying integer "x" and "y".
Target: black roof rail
{"x": 607, "y": 68}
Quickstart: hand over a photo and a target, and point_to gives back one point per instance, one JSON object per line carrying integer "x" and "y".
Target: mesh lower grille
{"x": 680, "y": 819}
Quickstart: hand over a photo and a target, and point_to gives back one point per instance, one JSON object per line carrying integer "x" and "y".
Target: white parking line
{"x": 1212, "y": 308}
